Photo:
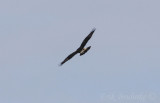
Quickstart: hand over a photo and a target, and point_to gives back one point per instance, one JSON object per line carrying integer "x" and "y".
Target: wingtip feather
{"x": 94, "y": 29}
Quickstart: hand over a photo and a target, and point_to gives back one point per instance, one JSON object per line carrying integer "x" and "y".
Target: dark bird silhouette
{"x": 81, "y": 49}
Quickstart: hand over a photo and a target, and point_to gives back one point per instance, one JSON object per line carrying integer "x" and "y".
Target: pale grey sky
{"x": 122, "y": 65}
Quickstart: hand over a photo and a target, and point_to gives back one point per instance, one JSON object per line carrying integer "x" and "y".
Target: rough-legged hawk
{"x": 81, "y": 49}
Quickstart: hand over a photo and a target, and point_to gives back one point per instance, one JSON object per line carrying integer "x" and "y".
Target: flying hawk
{"x": 81, "y": 49}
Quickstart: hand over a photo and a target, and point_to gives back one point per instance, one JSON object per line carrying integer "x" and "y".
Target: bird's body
{"x": 81, "y": 49}
{"x": 84, "y": 50}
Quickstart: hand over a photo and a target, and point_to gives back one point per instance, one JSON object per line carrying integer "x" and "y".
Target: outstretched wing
{"x": 69, "y": 57}
{"x": 86, "y": 39}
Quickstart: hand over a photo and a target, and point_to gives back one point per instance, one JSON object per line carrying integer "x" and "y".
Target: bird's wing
{"x": 86, "y": 39}
{"x": 69, "y": 57}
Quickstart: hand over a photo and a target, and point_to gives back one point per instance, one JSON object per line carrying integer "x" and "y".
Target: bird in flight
{"x": 81, "y": 49}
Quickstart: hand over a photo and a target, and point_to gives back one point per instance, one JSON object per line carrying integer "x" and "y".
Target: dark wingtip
{"x": 94, "y": 29}
{"x": 60, "y": 64}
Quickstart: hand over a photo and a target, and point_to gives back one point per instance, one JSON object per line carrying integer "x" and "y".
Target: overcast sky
{"x": 123, "y": 64}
